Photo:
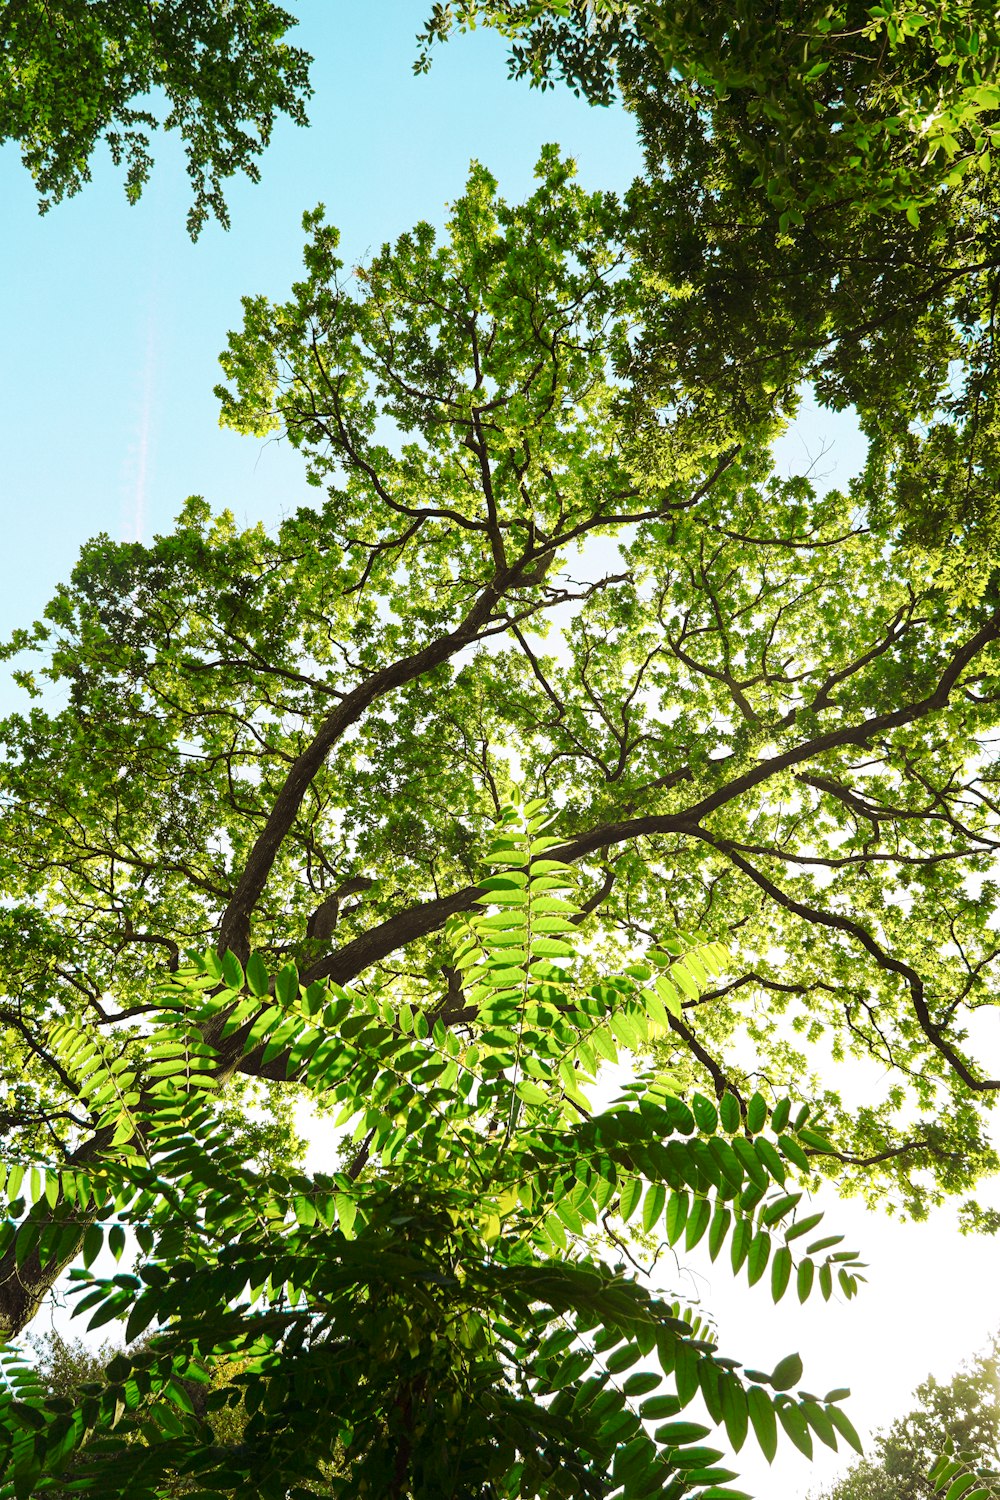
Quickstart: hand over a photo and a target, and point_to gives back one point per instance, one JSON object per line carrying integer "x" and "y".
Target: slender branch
{"x": 885, "y": 961}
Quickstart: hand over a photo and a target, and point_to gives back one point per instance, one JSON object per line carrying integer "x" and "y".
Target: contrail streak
{"x": 145, "y": 429}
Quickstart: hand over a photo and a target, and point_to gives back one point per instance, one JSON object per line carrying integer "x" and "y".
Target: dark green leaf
{"x": 795, "y": 1425}
{"x": 804, "y": 1279}
{"x": 677, "y": 1213}
{"x": 705, "y": 1113}
{"x": 756, "y": 1114}
{"x": 787, "y": 1372}
{"x": 697, "y": 1222}
{"x": 763, "y": 1421}
{"x": 781, "y": 1270}
{"x": 757, "y": 1256}
{"x": 719, "y": 1229}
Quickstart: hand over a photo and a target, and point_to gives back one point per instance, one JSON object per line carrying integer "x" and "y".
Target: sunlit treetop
{"x": 820, "y": 186}
{"x": 755, "y": 715}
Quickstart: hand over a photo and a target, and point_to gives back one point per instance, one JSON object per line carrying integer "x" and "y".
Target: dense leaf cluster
{"x": 80, "y": 72}
{"x": 818, "y": 204}
{"x": 445, "y": 1298}
{"x": 878, "y": 105}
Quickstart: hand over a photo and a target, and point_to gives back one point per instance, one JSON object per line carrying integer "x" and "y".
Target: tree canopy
{"x": 244, "y": 747}
{"x": 290, "y": 749}
{"x": 450, "y": 1312}
{"x": 832, "y": 103}
{"x": 666, "y": 634}
{"x": 559, "y": 732}
{"x": 81, "y": 72}
{"x": 963, "y": 1412}
{"x": 818, "y": 205}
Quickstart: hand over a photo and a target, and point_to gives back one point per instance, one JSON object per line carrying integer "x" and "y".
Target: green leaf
{"x": 794, "y": 1152}
{"x": 796, "y": 1427}
{"x": 781, "y": 1270}
{"x": 93, "y": 1244}
{"x": 630, "y": 1194}
{"x": 685, "y": 1371}
{"x": 346, "y": 1212}
{"x": 622, "y": 1359}
{"x": 779, "y": 1208}
{"x": 787, "y": 1372}
{"x": 756, "y": 1114}
{"x": 676, "y": 1434}
{"x": 821, "y": 1423}
{"x": 286, "y": 986}
{"x": 750, "y": 1162}
{"x": 531, "y": 1093}
{"x": 740, "y": 1243}
{"x": 719, "y": 1229}
{"x": 551, "y": 948}
{"x": 769, "y": 1158}
{"x": 735, "y": 1410}
{"x": 697, "y": 1222}
{"x": 232, "y": 970}
{"x": 802, "y": 1226}
{"x": 258, "y": 977}
{"x": 816, "y": 1140}
{"x": 804, "y": 1279}
{"x": 652, "y": 1208}
{"x": 763, "y": 1421}
{"x": 824, "y": 1244}
{"x": 729, "y": 1113}
{"x": 705, "y": 1113}
{"x": 757, "y": 1256}
{"x": 729, "y": 1162}
{"x": 844, "y": 1427}
{"x": 639, "y": 1384}
{"x": 677, "y": 1213}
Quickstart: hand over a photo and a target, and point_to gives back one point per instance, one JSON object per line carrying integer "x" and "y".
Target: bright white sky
{"x": 113, "y": 323}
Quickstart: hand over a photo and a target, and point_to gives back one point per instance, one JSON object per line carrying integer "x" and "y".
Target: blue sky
{"x": 114, "y": 323}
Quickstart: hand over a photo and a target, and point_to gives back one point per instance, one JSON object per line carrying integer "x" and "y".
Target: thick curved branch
{"x": 371, "y": 947}
{"x": 234, "y": 927}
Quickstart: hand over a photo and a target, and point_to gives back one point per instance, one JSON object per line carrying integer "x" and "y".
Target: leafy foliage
{"x": 445, "y": 1298}
{"x": 819, "y": 204}
{"x": 961, "y": 1415}
{"x": 518, "y": 567}
{"x": 76, "y": 73}
{"x": 963, "y": 1474}
{"x": 880, "y": 104}
{"x": 239, "y": 858}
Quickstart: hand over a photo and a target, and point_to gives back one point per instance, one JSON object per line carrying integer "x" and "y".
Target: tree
{"x": 289, "y": 749}
{"x": 294, "y": 743}
{"x": 963, "y": 1413}
{"x": 78, "y": 72}
{"x": 819, "y": 205}
{"x": 450, "y": 1313}
{"x": 881, "y": 106}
